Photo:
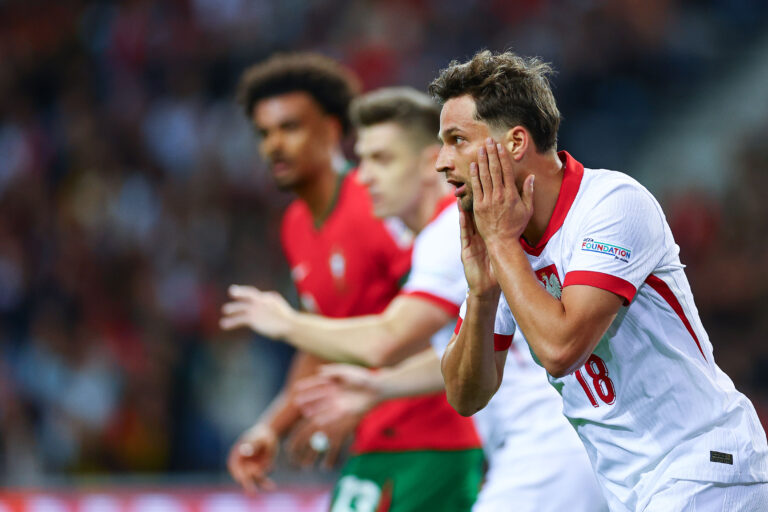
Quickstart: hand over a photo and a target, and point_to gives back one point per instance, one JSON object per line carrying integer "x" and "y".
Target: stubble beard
{"x": 466, "y": 203}
{"x": 287, "y": 183}
{"x": 285, "y": 187}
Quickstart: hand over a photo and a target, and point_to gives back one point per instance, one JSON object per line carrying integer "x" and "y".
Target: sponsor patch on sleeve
{"x": 616, "y": 251}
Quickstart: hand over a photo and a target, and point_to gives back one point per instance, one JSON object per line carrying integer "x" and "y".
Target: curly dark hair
{"x": 508, "y": 90}
{"x": 330, "y": 84}
{"x": 413, "y": 110}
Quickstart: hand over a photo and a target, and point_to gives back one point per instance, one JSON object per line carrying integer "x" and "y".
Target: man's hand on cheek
{"x": 500, "y": 212}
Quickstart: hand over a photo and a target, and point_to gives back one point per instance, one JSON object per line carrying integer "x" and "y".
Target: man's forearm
{"x": 469, "y": 365}
{"x": 541, "y": 317}
{"x": 282, "y": 413}
{"x": 361, "y": 340}
{"x": 418, "y": 375}
{"x": 402, "y": 330}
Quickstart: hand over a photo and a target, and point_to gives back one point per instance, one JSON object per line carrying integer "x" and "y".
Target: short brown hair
{"x": 508, "y": 90}
{"x": 330, "y": 84}
{"x": 414, "y": 111}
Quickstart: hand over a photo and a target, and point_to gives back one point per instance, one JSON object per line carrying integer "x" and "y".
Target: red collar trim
{"x": 443, "y": 205}
{"x": 572, "y": 174}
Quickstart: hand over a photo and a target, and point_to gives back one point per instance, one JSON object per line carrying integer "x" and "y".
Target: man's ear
{"x": 516, "y": 141}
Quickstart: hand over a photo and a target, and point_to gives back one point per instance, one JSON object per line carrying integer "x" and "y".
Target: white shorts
{"x": 547, "y": 482}
{"x": 695, "y": 496}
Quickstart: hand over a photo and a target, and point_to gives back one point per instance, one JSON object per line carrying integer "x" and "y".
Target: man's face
{"x": 462, "y": 136}
{"x": 390, "y": 167}
{"x": 296, "y": 137}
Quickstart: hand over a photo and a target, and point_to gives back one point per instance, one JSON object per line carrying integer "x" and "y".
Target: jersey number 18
{"x": 601, "y": 383}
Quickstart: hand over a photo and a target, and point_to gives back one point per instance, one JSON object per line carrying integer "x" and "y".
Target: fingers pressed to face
{"x": 494, "y": 165}
{"x": 465, "y": 228}
{"x": 483, "y": 172}
{"x": 474, "y": 181}
{"x": 507, "y": 173}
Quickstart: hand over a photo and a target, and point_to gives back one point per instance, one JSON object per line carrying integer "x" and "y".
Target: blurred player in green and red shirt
{"x": 345, "y": 262}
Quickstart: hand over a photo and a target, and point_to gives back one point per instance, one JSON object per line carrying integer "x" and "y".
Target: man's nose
{"x": 444, "y": 162}
{"x": 272, "y": 143}
{"x": 364, "y": 176}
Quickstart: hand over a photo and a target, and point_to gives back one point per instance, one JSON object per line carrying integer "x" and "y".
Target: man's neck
{"x": 424, "y": 210}
{"x": 320, "y": 194}
{"x": 548, "y": 170}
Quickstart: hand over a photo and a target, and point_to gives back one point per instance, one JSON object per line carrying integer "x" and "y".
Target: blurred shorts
{"x": 414, "y": 481}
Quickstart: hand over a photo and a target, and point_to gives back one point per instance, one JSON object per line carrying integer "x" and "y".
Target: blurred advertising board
{"x": 159, "y": 500}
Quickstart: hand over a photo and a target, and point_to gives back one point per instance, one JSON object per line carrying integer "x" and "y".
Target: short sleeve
{"x": 437, "y": 274}
{"x": 395, "y": 243}
{"x": 504, "y": 325}
{"x": 620, "y": 242}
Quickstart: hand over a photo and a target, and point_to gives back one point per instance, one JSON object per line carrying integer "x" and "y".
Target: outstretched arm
{"x": 251, "y": 458}
{"x": 403, "y": 329}
{"x": 340, "y": 391}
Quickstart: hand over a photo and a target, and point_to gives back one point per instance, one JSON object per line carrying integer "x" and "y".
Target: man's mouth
{"x": 461, "y": 187}
{"x": 280, "y": 166}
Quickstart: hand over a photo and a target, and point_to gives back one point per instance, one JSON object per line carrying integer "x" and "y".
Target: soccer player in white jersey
{"x": 583, "y": 262}
{"x": 536, "y": 462}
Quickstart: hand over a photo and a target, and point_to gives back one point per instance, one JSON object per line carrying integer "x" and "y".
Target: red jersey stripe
{"x": 500, "y": 341}
{"x": 667, "y": 294}
{"x": 572, "y": 174}
{"x": 603, "y": 281}
{"x": 444, "y": 304}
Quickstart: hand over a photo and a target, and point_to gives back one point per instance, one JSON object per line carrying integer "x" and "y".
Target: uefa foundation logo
{"x": 618, "y": 252}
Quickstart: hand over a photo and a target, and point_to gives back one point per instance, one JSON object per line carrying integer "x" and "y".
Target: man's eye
{"x": 380, "y": 158}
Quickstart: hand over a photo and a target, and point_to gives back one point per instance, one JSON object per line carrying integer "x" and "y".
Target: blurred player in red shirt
{"x": 345, "y": 262}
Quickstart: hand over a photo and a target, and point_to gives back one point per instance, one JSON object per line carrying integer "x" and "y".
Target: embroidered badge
{"x": 618, "y": 252}
{"x": 299, "y": 272}
{"x": 338, "y": 264}
{"x": 551, "y": 281}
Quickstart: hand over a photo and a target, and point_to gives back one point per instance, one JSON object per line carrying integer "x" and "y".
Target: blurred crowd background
{"x": 131, "y": 194}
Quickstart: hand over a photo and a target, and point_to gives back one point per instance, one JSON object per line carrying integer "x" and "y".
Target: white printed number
{"x": 356, "y": 495}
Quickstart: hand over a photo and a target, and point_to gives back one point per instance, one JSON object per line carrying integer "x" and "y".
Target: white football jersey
{"x": 525, "y": 410}
{"x": 650, "y": 404}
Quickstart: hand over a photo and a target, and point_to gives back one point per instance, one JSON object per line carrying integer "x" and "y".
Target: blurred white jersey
{"x": 536, "y": 462}
{"x": 650, "y": 404}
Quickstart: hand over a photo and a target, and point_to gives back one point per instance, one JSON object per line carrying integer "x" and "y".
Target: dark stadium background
{"x": 131, "y": 196}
